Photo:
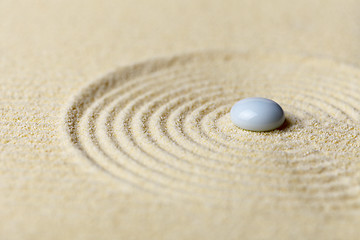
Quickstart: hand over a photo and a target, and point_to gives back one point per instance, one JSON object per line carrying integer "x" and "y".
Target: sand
{"x": 115, "y": 120}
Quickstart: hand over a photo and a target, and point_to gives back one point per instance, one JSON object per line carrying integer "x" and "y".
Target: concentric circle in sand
{"x": 163, "y": 126}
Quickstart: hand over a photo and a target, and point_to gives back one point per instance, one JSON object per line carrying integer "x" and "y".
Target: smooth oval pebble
{"x": 257, "y": 114}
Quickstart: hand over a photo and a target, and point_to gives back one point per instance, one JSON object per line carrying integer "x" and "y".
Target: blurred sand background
{"x": 50, "y": 50}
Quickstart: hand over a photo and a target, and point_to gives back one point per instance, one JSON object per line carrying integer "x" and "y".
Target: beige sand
{"x": 114, "y": 120}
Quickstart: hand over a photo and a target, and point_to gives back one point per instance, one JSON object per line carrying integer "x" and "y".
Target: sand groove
{"x": 163, "y": 126}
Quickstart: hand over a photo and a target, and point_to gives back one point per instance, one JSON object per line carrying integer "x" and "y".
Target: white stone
{"x": 257, "y": 114}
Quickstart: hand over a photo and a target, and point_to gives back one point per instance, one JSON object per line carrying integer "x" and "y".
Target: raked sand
{"x": 115, "y": 120}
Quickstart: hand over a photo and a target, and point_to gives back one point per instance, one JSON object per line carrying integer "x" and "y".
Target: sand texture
{"x": 115, "y": 120}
